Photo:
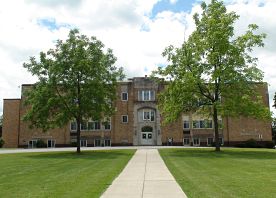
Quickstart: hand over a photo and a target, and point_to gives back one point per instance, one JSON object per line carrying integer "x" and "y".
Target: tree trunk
{"x": 215, "y": 118}
{"x": 78, "y": 135}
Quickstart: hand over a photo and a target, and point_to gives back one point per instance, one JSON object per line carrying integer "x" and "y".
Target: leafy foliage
{"x": 213, "y": 71}
{"x": 76, "y": 81}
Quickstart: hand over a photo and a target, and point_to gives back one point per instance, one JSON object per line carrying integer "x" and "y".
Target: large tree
{"x": 213, "y": 71}
{"x": 76, "y": 81}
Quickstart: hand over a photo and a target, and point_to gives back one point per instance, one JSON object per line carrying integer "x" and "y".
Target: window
{"x": 186, "y": 141}
{"x": 220, "y": 124}
{"x": 83, "y": 143}
{"x": 148, "y": 115}
{"x": 84, "y": 126}
{"x": 97, "y": 142}
{"x": 146, "y": 95}
{"x": 73, "y": 126}
{"x": 196, "y": 141}
{"x": 221, "y": 141}
{"x": 94, "y": 125}
{"x": 107, "y": 124}
{"x": 32, "y": 144}
{"x": 51, "y": 143}
{"x": 202, "y": 124}
{"x": 107, "y": 142}
{"x": 124, "y": 119}
{"x": 186, "y": 124}
{"x": 208, "y": 124}
{"x": 210, "y": 141}
{"x": 196, "y": 124}
{"x": 124, "y": 96}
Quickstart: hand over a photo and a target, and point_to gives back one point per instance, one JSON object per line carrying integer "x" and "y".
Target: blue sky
{"x": 173, "y": 6}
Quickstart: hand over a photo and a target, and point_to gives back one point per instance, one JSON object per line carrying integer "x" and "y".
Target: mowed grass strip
{"x": 229, "y": 173}
{"x": 60, "y": 174}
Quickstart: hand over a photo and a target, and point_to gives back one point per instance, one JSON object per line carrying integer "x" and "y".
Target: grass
{"x": 60, "y": 174}
{"x": 230, "y": 173}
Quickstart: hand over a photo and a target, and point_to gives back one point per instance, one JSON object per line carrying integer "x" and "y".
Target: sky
{"x": 138, "y": 31}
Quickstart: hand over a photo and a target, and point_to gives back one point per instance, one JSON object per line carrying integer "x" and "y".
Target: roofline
{"x": 12, "y": 99}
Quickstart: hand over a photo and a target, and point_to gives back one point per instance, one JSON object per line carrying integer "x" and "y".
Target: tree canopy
{"x": 76, "y": 81}
{"x": 213, "y": 71}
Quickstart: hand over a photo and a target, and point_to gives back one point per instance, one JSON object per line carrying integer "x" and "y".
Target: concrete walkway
{"x": 145, "y": 176}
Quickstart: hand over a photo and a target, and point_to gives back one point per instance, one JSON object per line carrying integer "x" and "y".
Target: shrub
{"x": 74, "y": 144}
{"x": 41, "y": 144}
{"x": 2, "y": 142}
{"x": 251, "y": 143}
{"x": 269, "y": 145}
{"x": 240, "y": 145}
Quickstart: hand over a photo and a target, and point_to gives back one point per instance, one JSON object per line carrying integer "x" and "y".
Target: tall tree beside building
{"x": 76, "y": 81}
{"x": 213, "y": 64}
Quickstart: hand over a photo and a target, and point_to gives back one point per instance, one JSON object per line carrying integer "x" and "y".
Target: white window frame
{"x": 71, "y": 126}
{"x": 53, "y": 143}
{"x": 222, "y": 140}
{"x": 85, "y": 145}
{"x": 32, "y": 143}
{"x": 184, "y": 141}
{"x": 122, "y": 98}
{"x": 105, "y": 142}
{"x": 194, "y": 142}
{"x": 151, "y": 113}
{"x": 208, "y": 143}
{"x": 109, "y": 121}
{"x": 93, "y": 122}
{"x": 123, "y": 119}
{"x": 143, "y": 95}
{"x": 96, "y": 140}
{"x": 188, "y": 122}
{"x": 199, "y": 124}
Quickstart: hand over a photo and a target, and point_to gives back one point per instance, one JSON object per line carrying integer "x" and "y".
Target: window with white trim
{"x": 196, "y": 141}
{"x": 84, "y": 126}
{"x": 202, "y": 124}
{"x": 186, "y": 124}
{"x": 107, "y": 124}
{"x": 124, "y": 118}
{"x": 73, "y": 126}
{"x": 124, "y": 96}
{"x": 94, "y": 125}
{"x": 186, "y": 141}
{"x": 221, "y": 141}
{"x": 148, "y": 115}
{"x": 146, "y": 95}
{"x": 210, "y": 141}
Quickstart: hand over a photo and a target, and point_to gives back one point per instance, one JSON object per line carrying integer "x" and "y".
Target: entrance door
{"x": 146, "y": 138}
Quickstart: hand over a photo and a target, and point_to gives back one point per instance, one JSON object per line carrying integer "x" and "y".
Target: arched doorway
{"x": 146, "y": 135}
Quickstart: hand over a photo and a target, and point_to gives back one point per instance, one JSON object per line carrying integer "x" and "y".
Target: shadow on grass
{"x": 255, "y": 154}
{"x": 88, "y": 155}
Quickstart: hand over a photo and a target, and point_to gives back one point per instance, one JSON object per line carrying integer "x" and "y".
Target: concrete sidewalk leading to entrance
{"x": 145, "y": 176}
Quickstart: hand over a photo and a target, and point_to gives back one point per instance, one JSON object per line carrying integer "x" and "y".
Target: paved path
{"x": 145, "y": 176}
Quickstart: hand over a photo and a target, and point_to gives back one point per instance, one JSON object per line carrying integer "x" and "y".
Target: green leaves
{"x": 77, "y": 80}
{"x": 214, "y": 64}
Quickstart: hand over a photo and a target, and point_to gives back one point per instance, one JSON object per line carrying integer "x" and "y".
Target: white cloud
{"x": 122, "y": 25}
{"x": 173, "y": 1}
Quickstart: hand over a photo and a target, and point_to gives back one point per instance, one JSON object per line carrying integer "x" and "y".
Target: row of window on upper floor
{"x": 143, "y": 95}
{"x": 200, "y": 124}
{"x": 91, "y": 126}
{"x": 147, "y": 115}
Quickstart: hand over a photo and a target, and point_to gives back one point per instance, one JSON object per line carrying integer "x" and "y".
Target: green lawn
{"x": 230, "y": 173}
{"x": 60, "y": 174}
